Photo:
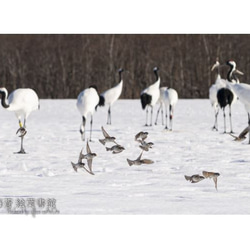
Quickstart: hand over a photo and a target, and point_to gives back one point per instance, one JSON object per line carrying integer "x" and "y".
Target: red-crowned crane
{"x": 170, "y": 100}
{"x": 111, "y": 95}
{"x": 213, "y": 90}
{"x": 242, "y": 90}
{"x": 87, "y": 102}
{"x": 150, "y": 96}
{"x": 22, "y": 102}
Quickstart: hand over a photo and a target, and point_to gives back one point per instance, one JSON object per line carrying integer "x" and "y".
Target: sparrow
{"x": 139, "y": 161}
{"x": 242, "y": 135}
{"x": 211, "y": 175}
{"x": 141, "y": 135}
{"x": 80, "y": 164}
{"x": 107, "y": 138}
{"x": 145, "y": 145}
{"x": 89, "y": 157}
{"x": 116, "y": 149}
{"x": 194, "y": 178}
{"x": 22, "y": 131}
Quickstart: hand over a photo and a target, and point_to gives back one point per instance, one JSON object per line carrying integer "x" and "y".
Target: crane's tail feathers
{"x": 145, "y": 100}
{"x": 101, "y": 101}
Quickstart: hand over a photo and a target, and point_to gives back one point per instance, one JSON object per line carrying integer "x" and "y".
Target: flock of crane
{"x": 23, "y": 101}
{"x": 222, "y": 93}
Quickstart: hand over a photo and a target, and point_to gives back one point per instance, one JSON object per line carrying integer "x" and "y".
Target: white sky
{"x": 130, "y": 16}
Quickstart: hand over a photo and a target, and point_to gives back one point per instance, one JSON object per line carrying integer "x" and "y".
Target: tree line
{"x": 61, "y": 66}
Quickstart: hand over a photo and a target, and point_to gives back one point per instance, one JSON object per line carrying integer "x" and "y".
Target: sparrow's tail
{"x": 188, "y": 178}
{"x": 235, "y": 137}
{"x": 143, "y": 148}
{"x": 108, "y": 149}
{"x": 130, "y": 163}
{"x": 74, "y": 166}
{"x": 102, "y": 141}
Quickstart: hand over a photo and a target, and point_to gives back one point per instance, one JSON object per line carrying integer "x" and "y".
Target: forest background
{"x": 61, "y": 66}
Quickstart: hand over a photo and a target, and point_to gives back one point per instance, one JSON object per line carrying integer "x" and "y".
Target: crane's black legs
{"x": 162, "y": 116}
{"x": 109, "y": 116}
{"x": 249, "y": 125}
{"x": 224, "y": 115}
{"x": 171, "y": 117}
{"x": 91, "y": 123}
{"x": 151, "y": 116}
{"x": 230, "y": 118}
{"x": 22, "y": 151}
{"x": 166, "y": 117}
{"x": 23, "y": 132}
{"x": 82, "y": 128}
{"x": 151, "y": 121}
{"x": 146, "y": 124}
{"x": 215, "y": 127}
{"x": 158, "y": 111}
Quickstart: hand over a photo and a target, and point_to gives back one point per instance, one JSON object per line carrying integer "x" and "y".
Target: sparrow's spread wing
{"x": 80, "y": 156}
{"x": 88, "y": 148}
{"x": 244, "y": 132}
{"x": 215, "y": 181}
{"x": 105, "y": 133}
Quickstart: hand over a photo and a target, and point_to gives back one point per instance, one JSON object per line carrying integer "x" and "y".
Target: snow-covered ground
{"x": 53, "y": 141}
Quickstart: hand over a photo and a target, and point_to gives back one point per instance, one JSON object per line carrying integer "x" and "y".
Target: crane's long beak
{"x": 238, "y": 72}
{"x": 214, "y": 66}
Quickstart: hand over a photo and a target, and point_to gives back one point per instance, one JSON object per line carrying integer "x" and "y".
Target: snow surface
{"x": 53, "y": 141}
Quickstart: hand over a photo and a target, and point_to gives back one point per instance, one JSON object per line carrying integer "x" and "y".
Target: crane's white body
{"x": 109, "y": 96}
{"x": 87, "y": 101}
{"x": 150, "y": 96}
{"x": 154, "y": 91}
{"x": 242, "y": 90}
{"x": 170, "y": 99}
{"x": 22, "y": 102}
{"x": 219, "y": 83}
{"x": 113, "y": 94}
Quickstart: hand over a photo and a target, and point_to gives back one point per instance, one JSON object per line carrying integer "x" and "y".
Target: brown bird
{"x": 107, "y": 138}
{"x": 22, "y": 132}
{"x": 194, "y": 178}
{"x": 80, "y": 164}
{"x": 139, "y": 161}
{"x": 145, "y": 145}
{"x": 211, "y": 175}
{"x": 141, "y": 135}
{"x": 242, "y": 135}
{"x": 89, "y": 157}
{"x": 116, "y": 149}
